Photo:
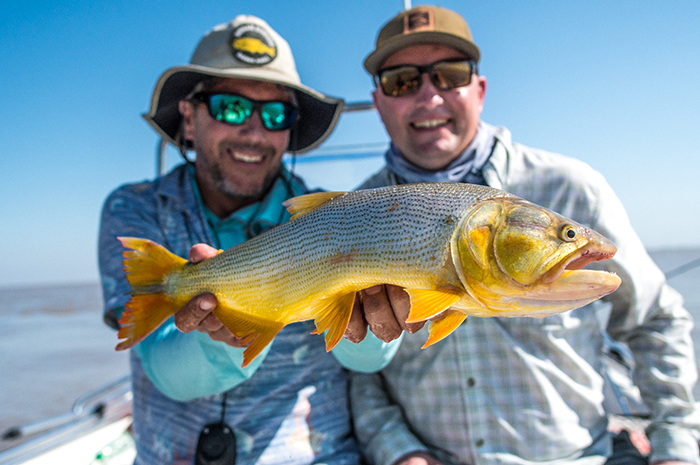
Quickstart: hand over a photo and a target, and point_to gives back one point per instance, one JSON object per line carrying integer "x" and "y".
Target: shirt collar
{"x": 253, "y": 219}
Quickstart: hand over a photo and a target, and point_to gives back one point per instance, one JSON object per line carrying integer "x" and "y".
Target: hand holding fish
{"x": 197, "y": 313}
{"x": 384, "y": 309}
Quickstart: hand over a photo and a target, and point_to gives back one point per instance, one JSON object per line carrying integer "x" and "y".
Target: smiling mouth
{"x": 247, "y": 158}
{"x": 429, "y": 124}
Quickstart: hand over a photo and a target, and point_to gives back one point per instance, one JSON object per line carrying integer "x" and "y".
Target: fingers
{"x": 357, "y": 327}
{"x": 189, "y": 317}
{"x": 197, "y": 315}
{"x": 379, "y": 314}
{"x": 199, "y": 252}
{"x": 401, "y": 304}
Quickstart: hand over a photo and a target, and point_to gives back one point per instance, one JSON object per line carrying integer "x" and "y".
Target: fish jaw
{"x": 518, "y": 259}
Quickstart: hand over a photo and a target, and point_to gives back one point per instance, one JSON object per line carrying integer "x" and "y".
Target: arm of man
{"x": 182, "y": 366}
{"x": 380, "y": 426}
{"x": 650, "y": 317}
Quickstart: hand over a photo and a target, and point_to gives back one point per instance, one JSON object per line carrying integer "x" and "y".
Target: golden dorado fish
{"x": 457, "y": 249}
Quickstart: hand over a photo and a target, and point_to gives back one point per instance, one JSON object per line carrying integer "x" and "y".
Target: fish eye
{"x": 568, "y": 233}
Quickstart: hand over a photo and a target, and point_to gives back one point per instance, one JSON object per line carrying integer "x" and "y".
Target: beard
{"x": 231, "y": 189}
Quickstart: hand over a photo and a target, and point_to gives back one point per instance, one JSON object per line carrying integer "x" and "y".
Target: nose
{"x": 253, "y": 128}
{"x": 428, "y": 93}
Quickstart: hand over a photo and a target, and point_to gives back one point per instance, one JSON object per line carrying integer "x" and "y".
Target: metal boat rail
{"x": 90, "y": 411}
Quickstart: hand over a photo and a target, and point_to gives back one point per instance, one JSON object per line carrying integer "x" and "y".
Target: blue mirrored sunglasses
{"x": 236, "y": 110}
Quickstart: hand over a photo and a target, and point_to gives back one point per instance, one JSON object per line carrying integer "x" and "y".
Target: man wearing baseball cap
{"x": 239, "y": 105}
{"x": 521, "y": 390}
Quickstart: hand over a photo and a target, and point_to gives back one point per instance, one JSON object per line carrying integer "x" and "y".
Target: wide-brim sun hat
{"x": 424, "y": 24}
{"x": 245, "y": 48}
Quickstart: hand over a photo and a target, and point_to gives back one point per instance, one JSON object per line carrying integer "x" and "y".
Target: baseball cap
{"x": 248, "y": 48}
{"x": 424, "y": 24}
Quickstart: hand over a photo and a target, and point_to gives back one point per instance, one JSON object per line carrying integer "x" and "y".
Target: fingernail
{"x": 206, "y": 305}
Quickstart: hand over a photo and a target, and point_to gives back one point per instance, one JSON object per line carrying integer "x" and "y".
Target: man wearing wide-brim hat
{"x": 239, "y": 105}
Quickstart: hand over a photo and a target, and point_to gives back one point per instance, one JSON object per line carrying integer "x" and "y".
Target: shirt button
{"x": 471, "y": 382}
{"x": 479, "y": 442}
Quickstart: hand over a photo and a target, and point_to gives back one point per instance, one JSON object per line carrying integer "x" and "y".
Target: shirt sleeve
{"x": 380, "y": 426}
{"x": 648, "y": 315}
{"x": 183, "y": 366}
{"x": 368, "y": 356}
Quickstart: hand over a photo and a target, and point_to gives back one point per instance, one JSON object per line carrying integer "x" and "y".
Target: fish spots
{"x": 343, "y": 257}
{"x": 393, "y": 206}
{"x": 450, "y": 220}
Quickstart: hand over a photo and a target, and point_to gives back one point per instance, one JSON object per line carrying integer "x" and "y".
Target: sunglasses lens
{"x": 405, "y": 80}
{"x": 230, "y": 109}
{"x": 451, "y": 74}
{"x": 399, "y": 81}
{"x": 277, "y": 116}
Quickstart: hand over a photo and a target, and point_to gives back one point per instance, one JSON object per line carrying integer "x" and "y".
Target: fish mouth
{"x": 570, "y": 282}
{"x": 580, "y": 258}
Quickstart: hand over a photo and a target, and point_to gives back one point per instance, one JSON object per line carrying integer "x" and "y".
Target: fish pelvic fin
{"x": 442, "y": 325}
{"x": 146, "y": 265}
{"x": 303, "y": 204}
{"x": 428, "y": 303}
{"x": 255, "y": 331}
{"x": 333, "y": 315}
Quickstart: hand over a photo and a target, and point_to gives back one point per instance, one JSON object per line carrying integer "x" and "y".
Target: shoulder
{"x": 382, "y": 178}
{"x": 559, "y": 182}
{"x": 144, "y": 195}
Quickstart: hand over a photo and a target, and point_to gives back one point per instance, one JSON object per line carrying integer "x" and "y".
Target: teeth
{"x": 246, "y": 158}
{"x": 433, "y": 123}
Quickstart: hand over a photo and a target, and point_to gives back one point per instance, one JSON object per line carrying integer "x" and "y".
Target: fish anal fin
{"x": 255, "y": 331}
{"x": 302, "y": 204}
{"x": 333, "y": 315}
{"x": 428, "y": 303}
{"x": 442, "y": 325}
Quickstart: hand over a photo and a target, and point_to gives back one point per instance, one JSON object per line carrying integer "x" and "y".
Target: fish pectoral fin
{"x": 255, "y": 331}
{"x": 303, "y": 204}
{"x": 428, "y": 303}
{"x": 442, "y": 325}
{"x": 333, "y": 315}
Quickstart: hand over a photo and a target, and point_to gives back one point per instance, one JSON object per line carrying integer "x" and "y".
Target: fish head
{"x": 519, "y": 259}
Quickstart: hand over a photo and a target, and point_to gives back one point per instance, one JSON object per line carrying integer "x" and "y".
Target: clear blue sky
{"x": 613, "y": 83}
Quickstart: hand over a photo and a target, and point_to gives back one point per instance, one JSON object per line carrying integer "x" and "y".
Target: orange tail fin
{"x": 146, "y": 265}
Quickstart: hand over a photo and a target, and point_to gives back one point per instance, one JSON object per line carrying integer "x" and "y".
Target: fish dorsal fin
{"x": 302, "y": 204}
{"x": 257, "y": 331}
{"x": 333, "y": 315}
{"x": 442, "y": 325}
{"x": 428, "y": 303}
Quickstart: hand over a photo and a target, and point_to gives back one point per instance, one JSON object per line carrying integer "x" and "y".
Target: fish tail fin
{"x": 251, "y": 330}
{"x": 146, "y": 265}
{"x": 443, "y": 325}
{"x": 333, "y": 316}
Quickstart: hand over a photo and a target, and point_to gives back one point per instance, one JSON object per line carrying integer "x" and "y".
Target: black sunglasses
{"x": 235, "y": 110}
{"x": 401, "y": 80}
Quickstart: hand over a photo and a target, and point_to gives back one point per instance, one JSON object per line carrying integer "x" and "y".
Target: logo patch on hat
{"x": 252, "y": 44}
{"x": 420, "y": 20}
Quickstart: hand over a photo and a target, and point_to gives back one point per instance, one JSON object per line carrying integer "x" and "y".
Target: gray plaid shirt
{"x": 527, "y": 390}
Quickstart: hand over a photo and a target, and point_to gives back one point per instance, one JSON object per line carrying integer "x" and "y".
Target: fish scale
{"x": 431, "y": 239}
